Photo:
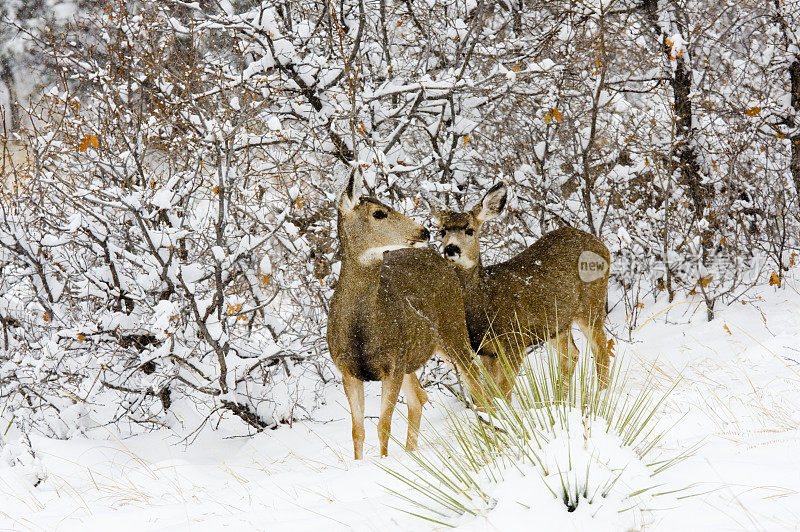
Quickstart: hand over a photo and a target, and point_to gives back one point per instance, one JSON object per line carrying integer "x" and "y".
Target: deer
{"x": 531, "y": 298}
{"x": 397, "y": 303}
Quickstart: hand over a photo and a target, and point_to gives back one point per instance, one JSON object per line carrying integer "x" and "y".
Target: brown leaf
{"x": 775, "y": 279}
{"x": 553, "y": 115}
{"x": 89, "y": 140}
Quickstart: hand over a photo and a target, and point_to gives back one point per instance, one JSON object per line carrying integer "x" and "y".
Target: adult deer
{"x": 397, "y": 303}
{"x": 535, "y": 296}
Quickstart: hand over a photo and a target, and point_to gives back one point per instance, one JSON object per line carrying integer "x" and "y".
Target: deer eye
{"x": 470, "y": 232}
{"x": 442, "y": 232}
{"x": 379, "y": 215}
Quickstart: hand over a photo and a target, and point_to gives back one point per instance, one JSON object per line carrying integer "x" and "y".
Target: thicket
{"x": 169, "y": 234}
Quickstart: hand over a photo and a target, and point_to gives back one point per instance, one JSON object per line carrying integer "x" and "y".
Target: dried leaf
{"x": 89, "y": 140}
{"x": 775, "y": 279}
{"x": 553, "y": 115}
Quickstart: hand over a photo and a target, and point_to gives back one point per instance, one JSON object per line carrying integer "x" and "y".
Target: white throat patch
{"x": 373, "y": 255}
{"x": 462, "y": 262}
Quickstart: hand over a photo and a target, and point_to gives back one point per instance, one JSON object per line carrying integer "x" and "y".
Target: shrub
{"x": 556, "y": 452}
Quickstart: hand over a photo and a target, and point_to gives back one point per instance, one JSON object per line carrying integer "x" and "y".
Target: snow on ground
{"x": 737, "y": 395}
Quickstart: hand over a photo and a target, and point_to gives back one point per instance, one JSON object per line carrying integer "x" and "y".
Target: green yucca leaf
{"x": 452, "y": 477}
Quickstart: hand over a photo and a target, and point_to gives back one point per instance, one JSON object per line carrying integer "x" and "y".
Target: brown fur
{"x": 390, "y": 314}
{"x": 535, "y": 296}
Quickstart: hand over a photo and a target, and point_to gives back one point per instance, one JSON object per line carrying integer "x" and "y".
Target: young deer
{"x": 537, "y": 295}
{"x": 397, "y": 302}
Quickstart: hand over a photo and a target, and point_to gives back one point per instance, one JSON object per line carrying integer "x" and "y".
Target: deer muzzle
{"x": 452, "y": 251}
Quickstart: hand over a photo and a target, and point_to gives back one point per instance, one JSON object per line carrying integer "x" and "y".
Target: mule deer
{"x": 537, "y": 295}
{"x": 396, "y": 303}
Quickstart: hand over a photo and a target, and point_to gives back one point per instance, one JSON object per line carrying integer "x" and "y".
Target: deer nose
{"x": 425, "y": 234}
{"x": 451, "y": 250}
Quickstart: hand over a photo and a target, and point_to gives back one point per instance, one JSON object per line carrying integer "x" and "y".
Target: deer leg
{"x": 506, "y": 373}
{"x": 468, "y": 371}
{"x": 390, "y": 390}
{"x": 416, "y": 398}
{"x": 354, "y": 390}
{"x": 421, "y": 393}
{"x": 496, "y": 374}
{"x": 598, "y": 343}
{"x": 471, "y": 375}
{"x": 568, "y": 354}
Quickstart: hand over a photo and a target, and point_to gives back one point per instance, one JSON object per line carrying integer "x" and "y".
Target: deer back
{"x": 544, "y": 288}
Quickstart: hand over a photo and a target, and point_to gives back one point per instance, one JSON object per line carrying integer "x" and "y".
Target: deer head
{"x": 368, "y": 228}
{"x": 460, "y": 231}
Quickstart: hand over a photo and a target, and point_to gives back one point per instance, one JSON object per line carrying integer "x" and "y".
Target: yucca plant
{"x": 559, "y": 450}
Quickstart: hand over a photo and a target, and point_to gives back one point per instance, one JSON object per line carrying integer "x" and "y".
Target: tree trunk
{"x": 794, "y": 164}
{"x": 687, "y": 160}
{"x": 7, "y": 79}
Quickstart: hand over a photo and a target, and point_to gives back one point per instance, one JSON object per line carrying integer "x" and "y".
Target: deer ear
{"x": 352, "y": 192}
{"x": 437, "y": 207}
{"x": 436, "y": 217}
{"x": 492, "y": 203}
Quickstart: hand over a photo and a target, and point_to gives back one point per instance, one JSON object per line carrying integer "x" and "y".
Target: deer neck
{"x": 359, "y": 277}
{"x": 471, "y": 279}
{"x": 355, "y": 275}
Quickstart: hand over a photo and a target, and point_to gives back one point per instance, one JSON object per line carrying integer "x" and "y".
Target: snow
{"x": 737, "y": 396}
{"x": 540, "y": 150}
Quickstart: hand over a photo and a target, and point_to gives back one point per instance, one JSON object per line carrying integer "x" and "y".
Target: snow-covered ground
{"x": 737, "y": 394}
